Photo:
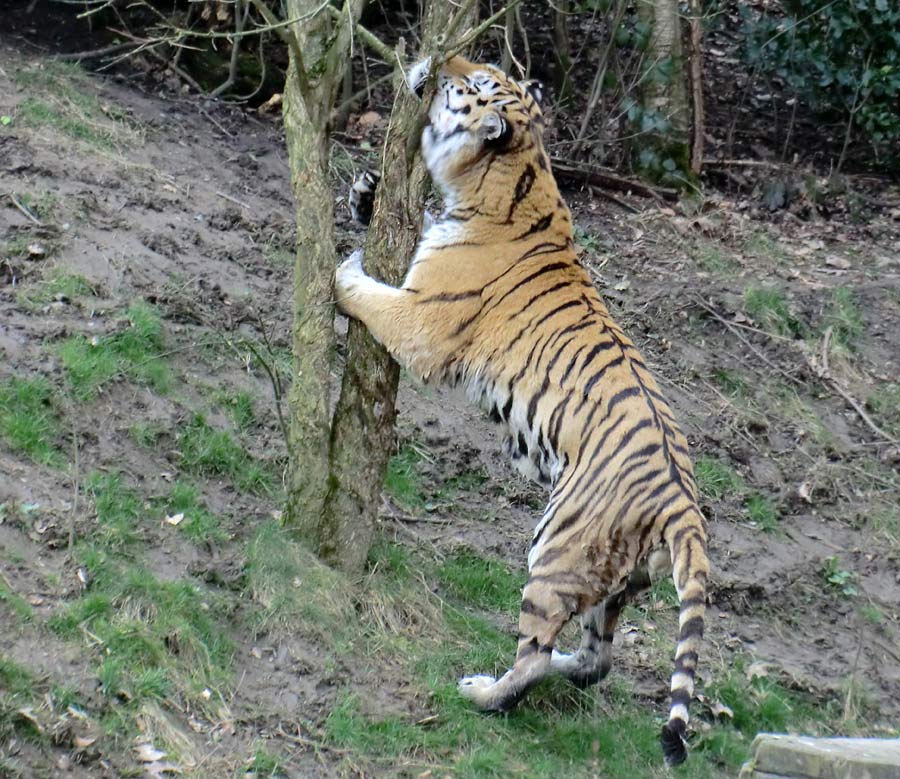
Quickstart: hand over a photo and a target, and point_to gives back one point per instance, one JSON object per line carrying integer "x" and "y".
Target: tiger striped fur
{"x": 495, "y": 298}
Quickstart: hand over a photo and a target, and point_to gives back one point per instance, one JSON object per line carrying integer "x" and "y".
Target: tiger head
{"x": 478, "y": 116}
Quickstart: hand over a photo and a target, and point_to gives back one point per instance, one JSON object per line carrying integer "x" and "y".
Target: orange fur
{"x": 496, "y": 299}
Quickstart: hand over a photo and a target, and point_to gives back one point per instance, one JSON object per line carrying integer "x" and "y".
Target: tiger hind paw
{"x": 362, "y": 197}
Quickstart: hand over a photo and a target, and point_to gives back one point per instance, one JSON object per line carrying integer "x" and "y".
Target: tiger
{"x": 495, "y": 299}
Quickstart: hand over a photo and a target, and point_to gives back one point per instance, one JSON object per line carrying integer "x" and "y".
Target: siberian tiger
{"x": 495, "y": 298}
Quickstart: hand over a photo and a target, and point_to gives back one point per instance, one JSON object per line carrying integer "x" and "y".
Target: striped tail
{"x": 686, "y": 537}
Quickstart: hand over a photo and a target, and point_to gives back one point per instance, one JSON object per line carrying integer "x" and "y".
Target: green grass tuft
{"x": 403, "y": 481}
{"x": 884, "y": 403}
{"x": 199, "y": 524}
{"x": 92, "y": 363}
{"x": 769, "y": 309}
{"x": 732, "y": 383}
{"x": 844, "y": 319}
{"x": 240, "y": 408}
{"x": 60, "y": 95}
{"x": 119, "y": 509}
{"x": 215, "y": 453}
{"x": 58, "y": 285}
{"x": 484, "y": 584}
{"x": 151, "y": 637}
{"x": 761, "y": 512}
{"x": 716, "y": 479}
{"x": 297, "y": 592}
{"x": 28, "y": 419}
{"x": 17, "y": 604}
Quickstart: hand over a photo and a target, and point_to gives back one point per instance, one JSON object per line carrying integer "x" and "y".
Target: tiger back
{"x": 495, "y": 299}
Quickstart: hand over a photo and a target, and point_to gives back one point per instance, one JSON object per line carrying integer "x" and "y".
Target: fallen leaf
{"x": 836, "y": 261}
{"x": 147, "y": 753}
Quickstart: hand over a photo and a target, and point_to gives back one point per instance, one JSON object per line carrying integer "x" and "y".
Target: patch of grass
{"x": 762, "y": 512}
{"x": 152, "y": 638}
{"x": 264, "y": 765}
{"x": 713, "y": 258}
{"x": 403, "y": 481}
{"x": 60, "y": 95}
{"x": 28, "y": 419}
{"x": 296, "y": 591}
{"x": 279, "y": 256}
{"x": 467, "y": 481}
{"x": 716, "y": 479}
{"x": 762, "y": 705}
{"x": 215, "y": 453}
{"x": 769, "y": 309}
{"x": 199, "y": 524}
{"x": 119, "y": 508}
{"x": 484, "y": 584}
{"x": 577, "y": 742}
{"x": 17, "y": 604}
{"x": 732, "y": 383}
{"x": 885, "y": 521}
{"x": 884, "y": 403}
{"x": 59, "y": 285}
{"x": 844, "y": 319}
{"x": 92, "y": 363}
{"x": 146, "y": 434}
{"x": 240, "y": 407}
{"x": 18, "y": 691}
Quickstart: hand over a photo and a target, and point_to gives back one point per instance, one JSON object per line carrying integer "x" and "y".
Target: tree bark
{"x": 362, "y": 428}
{"x": 663, "y": 89}
{"x": 314, "y": 75}
{"x": 562, "y": 50}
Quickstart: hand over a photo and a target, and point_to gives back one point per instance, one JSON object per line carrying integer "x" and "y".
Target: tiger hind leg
{"x": 543, "y": 614}
{"x": 593, "y": 659}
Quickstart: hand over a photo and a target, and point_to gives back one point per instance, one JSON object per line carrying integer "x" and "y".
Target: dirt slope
{"x": 186, "y": 206}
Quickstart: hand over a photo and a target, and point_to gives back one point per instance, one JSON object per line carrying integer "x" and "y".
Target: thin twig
{"x": 94, "y": 54}
{"x": 607, "y": 180}
{"x": 369, "y": 38}
{"x": 234, "y": 200}
{"x": 734, "y": 331}
{"x": 18, "y": 204}
{"x": 474, "y": 34}
{"x": 824, "y": 372}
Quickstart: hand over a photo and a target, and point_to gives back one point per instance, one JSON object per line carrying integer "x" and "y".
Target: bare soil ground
{"x": 186, "y": 205}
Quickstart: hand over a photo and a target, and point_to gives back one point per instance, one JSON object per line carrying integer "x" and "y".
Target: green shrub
{"x": 842, "y": 57}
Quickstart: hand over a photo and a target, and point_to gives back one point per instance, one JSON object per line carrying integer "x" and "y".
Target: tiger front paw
{"x": 347, "y": 280}
{"x": 476, "y": 688}
{"x": 362, "y": 197}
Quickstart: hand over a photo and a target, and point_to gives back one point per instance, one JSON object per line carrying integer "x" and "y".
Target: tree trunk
{"x": 562, "y": 50}
{"x": 362, "y": 429}
{"x": 309, "y": 95}
{"x": 666, "y": 114}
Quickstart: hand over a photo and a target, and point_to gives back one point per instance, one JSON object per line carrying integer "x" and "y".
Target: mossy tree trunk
{"x": 362, "y": 428}
{"x": 317, "y": 64}
{"x": 338, "y": 465}
{"x": 663, "y": 146}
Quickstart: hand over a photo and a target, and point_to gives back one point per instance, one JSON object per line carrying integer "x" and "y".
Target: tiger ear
{"x": 495, "y": 130}
{"x": 534, "y": 88}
